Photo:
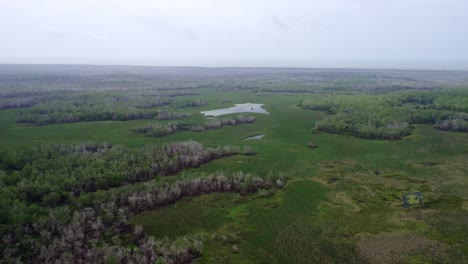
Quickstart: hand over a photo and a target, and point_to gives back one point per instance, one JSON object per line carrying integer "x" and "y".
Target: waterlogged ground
{"x": 344, "y": 202}
{"x": 256, "y": 137}
{"x": 250, "y": 229}
{"x": 236, "y": 109}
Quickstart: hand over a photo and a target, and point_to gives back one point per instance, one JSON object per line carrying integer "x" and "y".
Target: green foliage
{"x": 53, "y": 175}
{"x": 341, "y": 191}
{"x": 455, "y": 124}
{"x": 387, "y": 116}
{"x": 218, "y": 123}
{"x": 157, "y": 130}
{"x": 190, "y": 103}
{"x": 164, "y": 129}
{"x": 92, "y": 106}
{"x": 204, "y": 213}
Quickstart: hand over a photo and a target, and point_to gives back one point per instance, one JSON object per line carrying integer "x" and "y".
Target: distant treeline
{"x": 190, "y": 103}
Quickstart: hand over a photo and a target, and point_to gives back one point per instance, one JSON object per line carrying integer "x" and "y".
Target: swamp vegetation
{"x": 359, "y": 166}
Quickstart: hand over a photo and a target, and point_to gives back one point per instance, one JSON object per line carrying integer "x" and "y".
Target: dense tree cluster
{"x": 447, "y": 110}
{"x": 164, "y": 115}
{"x": 156, "y": 129}
{"x": 388, "y": 116}
{"x": 70, "y": 203}
{"x": 54, "y": 107}
{"x": 100, "y": 233}
{"x": 53, "y": 175}
{"x": 359, "y": 115}
{"x": 69, "y": 113}
{"x": 455, "y": 124}
{"x": 163, "y": 129}
{"x": 66, "y": 113}
{"x": 157, "y": 102}
{"x": 363, "y": 126}
{"x": 218, "y": 123}
{"x": 452, "y": 103}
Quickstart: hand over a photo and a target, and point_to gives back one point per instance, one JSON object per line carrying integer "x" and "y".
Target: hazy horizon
{"x": 346, "y": 34}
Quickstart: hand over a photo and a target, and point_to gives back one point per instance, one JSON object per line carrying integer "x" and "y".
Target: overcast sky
{"x": 291, "y": 33}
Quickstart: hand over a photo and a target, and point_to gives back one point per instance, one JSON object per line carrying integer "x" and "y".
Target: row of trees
{"x": 71, "y": 114}
{"x": 164, "y": 115}
{"x": 160, "y": 130}
{"x": 455, "y": 124}
{"x": 53, "y": 175}
{"x": 190, "y": 103}
{"x": 181, "y": 93}
{"x": 157, "y": 129}
{"x": 53, "y": 107}
{"x": 334, "y": 125}
{"x": 218, "y": 123}
{"x": 68, "y": 114}
{"x": 156, "y": 102}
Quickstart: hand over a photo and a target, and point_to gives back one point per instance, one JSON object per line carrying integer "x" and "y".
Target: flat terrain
{"x": 343, "y": 201}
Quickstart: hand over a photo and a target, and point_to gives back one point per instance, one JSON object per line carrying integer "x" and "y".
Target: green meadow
{"x": 343, "y": 202}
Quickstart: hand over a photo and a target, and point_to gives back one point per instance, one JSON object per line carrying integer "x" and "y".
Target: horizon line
{"x": 236, "y": 67}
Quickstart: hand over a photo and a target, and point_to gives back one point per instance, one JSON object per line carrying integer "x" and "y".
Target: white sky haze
{"x": 420, "y": 34}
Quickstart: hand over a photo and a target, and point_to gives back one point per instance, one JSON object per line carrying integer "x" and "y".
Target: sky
{"x": 407, "y": 34}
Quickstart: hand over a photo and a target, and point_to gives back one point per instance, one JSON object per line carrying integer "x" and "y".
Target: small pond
{"x": 237, "y": 108}
{"x": 256, "y": 137}
{"x": 411, "y": 199}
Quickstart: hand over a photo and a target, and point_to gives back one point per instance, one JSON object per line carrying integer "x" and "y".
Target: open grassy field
{"x": 342, "y": 199}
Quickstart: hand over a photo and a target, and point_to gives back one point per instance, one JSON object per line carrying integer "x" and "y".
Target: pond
{"x": 411, "y": 199}
{"x": 256, "y": 137}
{"x": 237, "y": 108}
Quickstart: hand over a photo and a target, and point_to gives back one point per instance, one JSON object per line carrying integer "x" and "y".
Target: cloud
{"x": 51, "y": 31}
{"x": 94, "y": 36}
{"x": 280, "y": 24}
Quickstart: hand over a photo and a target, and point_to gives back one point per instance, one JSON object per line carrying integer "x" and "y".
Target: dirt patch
{"x": 398, "y": 248}
{"x": 345, "y": 201}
